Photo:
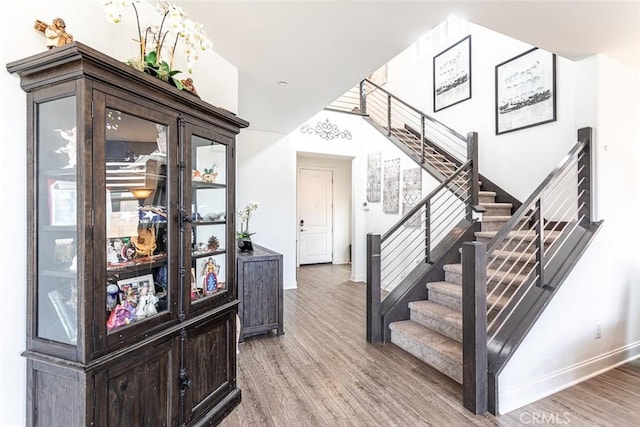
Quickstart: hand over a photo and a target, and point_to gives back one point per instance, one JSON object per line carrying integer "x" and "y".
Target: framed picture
{"x": 134, "y": 287}
{"x": 62, "y": 202}
{"x": 525, "y": 91}
{"x": 452, "y": 75}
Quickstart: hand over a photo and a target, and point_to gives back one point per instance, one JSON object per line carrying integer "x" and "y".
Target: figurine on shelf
{"x": 189, "y": 87}
{"x": 210, "y": 174}
{"x": 146, "y": 303}
{"x": 55, "y": 33}
{"x": 70, "y": 148}
{"x": 210, "y": 273}
{"x": 145, "y": 241}
{"x": 213, "y": 243}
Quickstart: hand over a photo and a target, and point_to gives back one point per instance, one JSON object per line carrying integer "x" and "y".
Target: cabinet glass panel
{"x": 57, "y": 218}
{"x": 136, "y": 219}
{"x": 208, "y": 231}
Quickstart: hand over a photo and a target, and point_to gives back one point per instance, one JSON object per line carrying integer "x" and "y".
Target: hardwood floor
{"x": 322, "y": 372}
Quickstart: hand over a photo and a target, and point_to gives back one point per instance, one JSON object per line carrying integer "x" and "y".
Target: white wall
{"x": 267, "y": 174}
{"x": 534, "y": 152}
{"x": 341, "y": 169}
{"x": 604, "y": 288}
{"x": 365, "y": 140}
{"x": 86, "y": 22}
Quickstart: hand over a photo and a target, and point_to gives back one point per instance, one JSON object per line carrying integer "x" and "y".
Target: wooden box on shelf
{"x": 260, "y": 289}
{"x": 117, "y": 333}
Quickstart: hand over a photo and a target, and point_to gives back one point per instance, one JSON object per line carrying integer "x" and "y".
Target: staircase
{"x": 433, "y": 333}
{"x": 417, "y": 294}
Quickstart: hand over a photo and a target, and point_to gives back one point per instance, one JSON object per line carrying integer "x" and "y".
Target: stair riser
{"x": 451, "y": 368}
{"x": 447, "y": 300}
{"x": 487, "y": 199}
{"x": 455, "y": 303}
{"x": 454, "y": 277}
{"x": 497, "y": 211}
{"x": 512, "y": 264}
{"x": 515, "y": 245}
{"x": 434, "y": 323}
{"x": 497, "y": 225}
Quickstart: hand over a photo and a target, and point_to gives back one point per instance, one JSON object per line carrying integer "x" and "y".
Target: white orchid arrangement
{"x": 174, "y": 27}
{"x": 245, "y": 214}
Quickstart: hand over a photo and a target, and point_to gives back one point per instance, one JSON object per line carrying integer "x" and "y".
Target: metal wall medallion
{"x": 325, "y": 130}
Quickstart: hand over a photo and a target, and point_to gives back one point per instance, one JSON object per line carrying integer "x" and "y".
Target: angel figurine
{"x": 56, "y": 33}
{"x": 70, "y": 148}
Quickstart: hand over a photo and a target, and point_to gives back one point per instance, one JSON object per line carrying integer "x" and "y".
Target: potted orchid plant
{"x": 158, "y": 43}
{"x": 244, "y": 236}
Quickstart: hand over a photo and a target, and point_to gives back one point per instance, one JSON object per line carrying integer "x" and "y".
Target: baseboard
{"x": 293, "y": 285}
{"x": 341, "y": 261}
{"x": 360, "y": 278}
{"x": 519, "y": 396}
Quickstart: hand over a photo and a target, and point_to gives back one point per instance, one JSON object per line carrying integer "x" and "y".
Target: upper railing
{"x": 396, "y": 117}
{"x": 440, "y": 146}
{"x": 524, "y": 254}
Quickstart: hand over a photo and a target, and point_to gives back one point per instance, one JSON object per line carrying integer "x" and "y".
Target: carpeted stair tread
{"x": 436, "y": 350}
{"x": 497, "y": 205}
{"x": 487, "y": 193}
{"x": 523, "y": 235}
{"x": 442, "y": 319}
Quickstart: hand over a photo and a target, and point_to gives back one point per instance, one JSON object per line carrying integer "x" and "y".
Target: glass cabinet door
{"x": 57, "y": 217}
{"x": 136, "y": 231}
{"x": 209, "y": 233}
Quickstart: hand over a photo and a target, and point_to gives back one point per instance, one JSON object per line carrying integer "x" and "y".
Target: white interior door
{"x": 315, "y": 216}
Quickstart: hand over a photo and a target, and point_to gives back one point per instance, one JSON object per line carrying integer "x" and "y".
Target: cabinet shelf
{"x": 197, "y": 185}
{"x": 202, "y": 223}
{"x": 198, "y": 255}
{"x": 138, "y": 264}
{"x": 63, "y": 274}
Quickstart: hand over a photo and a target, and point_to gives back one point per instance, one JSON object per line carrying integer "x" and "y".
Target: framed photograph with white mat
{"x": 452, "y": 75}
{"x": 525, "y": 91}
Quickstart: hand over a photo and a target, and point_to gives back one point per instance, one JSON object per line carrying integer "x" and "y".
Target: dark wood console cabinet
{"x": 260, "y": 289}
{"x": 131, "y": 287}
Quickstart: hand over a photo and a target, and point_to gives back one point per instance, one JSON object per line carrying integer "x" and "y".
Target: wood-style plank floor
{"x": 322, "y": 372}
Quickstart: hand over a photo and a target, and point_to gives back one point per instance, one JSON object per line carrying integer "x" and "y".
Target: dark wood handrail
{"x": 426, "y": 116}
{"x": 424, "y": 201}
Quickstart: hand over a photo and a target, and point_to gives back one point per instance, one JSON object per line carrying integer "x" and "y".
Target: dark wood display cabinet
{"x": 260, "y": 289}
{"x": 132, "y": 295}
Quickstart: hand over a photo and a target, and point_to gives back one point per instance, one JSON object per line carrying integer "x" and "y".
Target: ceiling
{"x": 323, "y": 47}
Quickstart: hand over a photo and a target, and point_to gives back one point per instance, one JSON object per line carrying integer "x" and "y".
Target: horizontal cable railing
{"x": 412, "y": 239}
{"x": 399, "y": 119}
{"x": 519, "y": 256}
{"x": 498, "y": 278}
{"x": 391, "y": 257}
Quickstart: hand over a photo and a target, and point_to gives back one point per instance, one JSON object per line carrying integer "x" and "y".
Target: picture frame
{"x": 62, "y": 202}
{"x": 525, "y": 91}
{"x": 131, "y": 287}
{"x": 452, "y": 75}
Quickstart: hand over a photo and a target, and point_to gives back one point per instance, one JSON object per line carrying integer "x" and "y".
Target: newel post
{"x": 585, "y": 189}
{"x": 374, "y": 318}
{"x": 472, "y": 154}
{"x": 363, "y": 97}
{"x": 474, "y": 327}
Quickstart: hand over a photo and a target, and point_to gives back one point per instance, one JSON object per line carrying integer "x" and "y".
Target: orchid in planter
{"x": 158, "y": 43}
{"x": 244, "y": 236}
